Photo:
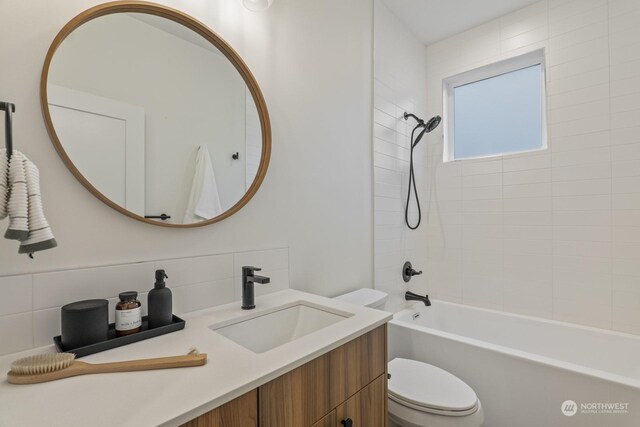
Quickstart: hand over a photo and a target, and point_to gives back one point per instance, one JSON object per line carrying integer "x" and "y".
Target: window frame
{"x": 495, "y": 69}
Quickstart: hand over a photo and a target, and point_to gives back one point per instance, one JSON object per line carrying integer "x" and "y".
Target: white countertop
{"x": 171, "y": 397}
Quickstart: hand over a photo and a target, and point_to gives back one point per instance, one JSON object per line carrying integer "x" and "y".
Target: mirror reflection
{"x": 154, "y": 117}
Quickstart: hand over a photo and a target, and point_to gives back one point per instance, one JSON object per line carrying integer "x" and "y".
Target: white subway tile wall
{"x": 399, "y": 86}
{"x": 31, "y": 317}
{"x": 553, "y": 234}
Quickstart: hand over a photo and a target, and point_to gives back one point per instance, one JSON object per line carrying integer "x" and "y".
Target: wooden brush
{"x": 55, "y": 366}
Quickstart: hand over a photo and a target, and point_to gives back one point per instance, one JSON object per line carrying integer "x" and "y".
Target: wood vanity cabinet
{"x": 365, "y": 408}
{"x": 305, "y": 395}
{"x": 328, "y": 420}
{"x": 240, "y": 412}
{"x": 348, "y": 383}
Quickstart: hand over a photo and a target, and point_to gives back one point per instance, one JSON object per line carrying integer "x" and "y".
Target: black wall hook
{"x": 235, "y": 156}
{"x": 8, "y": 108}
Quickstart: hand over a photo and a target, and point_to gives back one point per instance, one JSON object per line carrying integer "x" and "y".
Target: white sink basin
{"x": 279, "y": 326}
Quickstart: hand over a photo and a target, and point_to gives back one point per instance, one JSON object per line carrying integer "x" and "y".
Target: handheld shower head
{"x": 430, "y": 126}
{"x": 433, "y": 123}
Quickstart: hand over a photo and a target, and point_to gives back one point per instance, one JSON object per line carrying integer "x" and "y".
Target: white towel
{"x": 20, "y": 199}
{"x": 204, "y": 201}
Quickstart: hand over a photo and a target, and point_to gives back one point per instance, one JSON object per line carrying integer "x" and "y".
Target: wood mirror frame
{"x": 209, "y": 35}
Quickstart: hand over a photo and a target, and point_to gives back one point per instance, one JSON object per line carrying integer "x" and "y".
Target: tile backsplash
{"x": 30, "y": 303}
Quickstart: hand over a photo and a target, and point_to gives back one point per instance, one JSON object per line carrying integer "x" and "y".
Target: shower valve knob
{"x": 408, "y": 272}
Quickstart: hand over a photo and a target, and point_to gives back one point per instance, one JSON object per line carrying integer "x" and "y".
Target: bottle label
{"x": 128, "y": 319}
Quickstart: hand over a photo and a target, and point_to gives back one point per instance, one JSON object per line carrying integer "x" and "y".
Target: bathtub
{"x": 527, "y": 370}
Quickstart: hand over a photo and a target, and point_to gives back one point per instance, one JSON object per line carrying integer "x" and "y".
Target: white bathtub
{"x": 524, "y": 368}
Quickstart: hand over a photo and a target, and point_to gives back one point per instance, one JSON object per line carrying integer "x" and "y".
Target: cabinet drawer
{"x": 367, "y": 408}
{"x": 357, "y": 363}
{"x": 240, "y": 412}
{"x": 327, "y": 421}
{"x": 298, "y": 398}
{"x": 303, "y": 396}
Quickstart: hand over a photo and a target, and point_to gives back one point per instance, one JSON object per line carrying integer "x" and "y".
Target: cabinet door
{"x": 240, "y": 412}
{"x": 357, "y": 363}
{"x": 303, "y": 396}
{"x": 367, "y": 408}
{"x": 328, "y": 421}
{"x": 298, "y": 398}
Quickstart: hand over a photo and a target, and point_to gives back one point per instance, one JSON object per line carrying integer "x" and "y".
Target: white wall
{"x": 399, "y": 86}
{"x": 316, "y": 79}
{"x": 553, "y": 234}
{"x": 192, "y": 96}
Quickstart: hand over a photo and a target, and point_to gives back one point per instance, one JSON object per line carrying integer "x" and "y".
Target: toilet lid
{"x": 364, "y": 297}
{"x": 429, "y": 387}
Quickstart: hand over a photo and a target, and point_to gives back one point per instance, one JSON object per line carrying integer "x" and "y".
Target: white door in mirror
{"x": 105, "y": 138}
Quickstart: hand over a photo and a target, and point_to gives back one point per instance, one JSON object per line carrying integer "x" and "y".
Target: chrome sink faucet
{"x": 248, "y": 279}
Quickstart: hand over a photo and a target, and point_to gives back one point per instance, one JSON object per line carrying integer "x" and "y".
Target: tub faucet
{"x": 248, "y": 279}
{"x": 410, "y": 296}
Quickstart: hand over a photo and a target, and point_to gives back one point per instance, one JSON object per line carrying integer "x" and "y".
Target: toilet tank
{"x": 365, "y": 297}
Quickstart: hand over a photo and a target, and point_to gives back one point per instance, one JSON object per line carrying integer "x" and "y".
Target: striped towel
{"x": 20, "y": 200}
{"x": 4, "y": 188}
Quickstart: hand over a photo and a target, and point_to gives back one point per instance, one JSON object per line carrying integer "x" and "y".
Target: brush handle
{"x": 83, "y": 368}
{"x": 141, "y": 364}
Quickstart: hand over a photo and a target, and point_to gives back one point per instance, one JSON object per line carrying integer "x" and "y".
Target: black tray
{"x": 113, "y": 341}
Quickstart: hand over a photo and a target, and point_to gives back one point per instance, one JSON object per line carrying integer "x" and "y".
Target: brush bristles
{"x": 42, "y": 363}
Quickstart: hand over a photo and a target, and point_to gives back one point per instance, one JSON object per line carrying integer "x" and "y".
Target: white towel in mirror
{"x": 204, "y": 201}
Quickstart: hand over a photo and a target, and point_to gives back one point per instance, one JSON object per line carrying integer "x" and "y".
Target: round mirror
{"x": 155, "y": 114}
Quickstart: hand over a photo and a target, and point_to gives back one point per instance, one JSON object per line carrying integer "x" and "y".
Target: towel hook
{"x": 8, "y": 108}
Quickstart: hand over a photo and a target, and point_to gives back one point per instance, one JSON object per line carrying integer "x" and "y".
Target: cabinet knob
{"x": 347, "y": 423}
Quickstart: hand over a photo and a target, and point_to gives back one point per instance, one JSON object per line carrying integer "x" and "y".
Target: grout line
{"x": 150, "y": 261}
{"x": 611, "y": 228}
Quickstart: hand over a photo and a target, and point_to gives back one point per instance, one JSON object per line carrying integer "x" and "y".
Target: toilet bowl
{"x": 422, "y": 395}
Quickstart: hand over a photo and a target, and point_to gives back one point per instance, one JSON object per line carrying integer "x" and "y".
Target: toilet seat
{"x": 427, "y": 388}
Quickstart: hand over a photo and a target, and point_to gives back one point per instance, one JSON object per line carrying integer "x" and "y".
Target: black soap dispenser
{"x": 159, "y": 302}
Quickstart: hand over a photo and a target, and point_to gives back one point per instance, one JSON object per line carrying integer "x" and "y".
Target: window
{"x": 497, "y": 109}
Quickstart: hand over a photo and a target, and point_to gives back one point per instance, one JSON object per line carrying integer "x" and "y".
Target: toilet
{"x": 422, "y": 395}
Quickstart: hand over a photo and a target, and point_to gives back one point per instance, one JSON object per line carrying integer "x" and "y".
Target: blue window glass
{"x": 499, "y": 115}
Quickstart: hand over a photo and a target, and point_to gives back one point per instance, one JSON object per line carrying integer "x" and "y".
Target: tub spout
{"x": 410, "y": 296}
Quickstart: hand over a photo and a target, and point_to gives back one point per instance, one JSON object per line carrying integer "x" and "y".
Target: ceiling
{"x": 434, "y": 20}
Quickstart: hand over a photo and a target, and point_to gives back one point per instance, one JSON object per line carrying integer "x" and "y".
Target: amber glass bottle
{"x": 128, "y": 314}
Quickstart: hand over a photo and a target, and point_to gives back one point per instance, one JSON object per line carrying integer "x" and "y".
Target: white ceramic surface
{"x": 403, "y": 416}
{"x": 428, "y": 387}
{"x": 365, "y": 297}
{"x": 285, "y": 324}
{"x": 523, "y": 368}
{"x": 173, "y": 396}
